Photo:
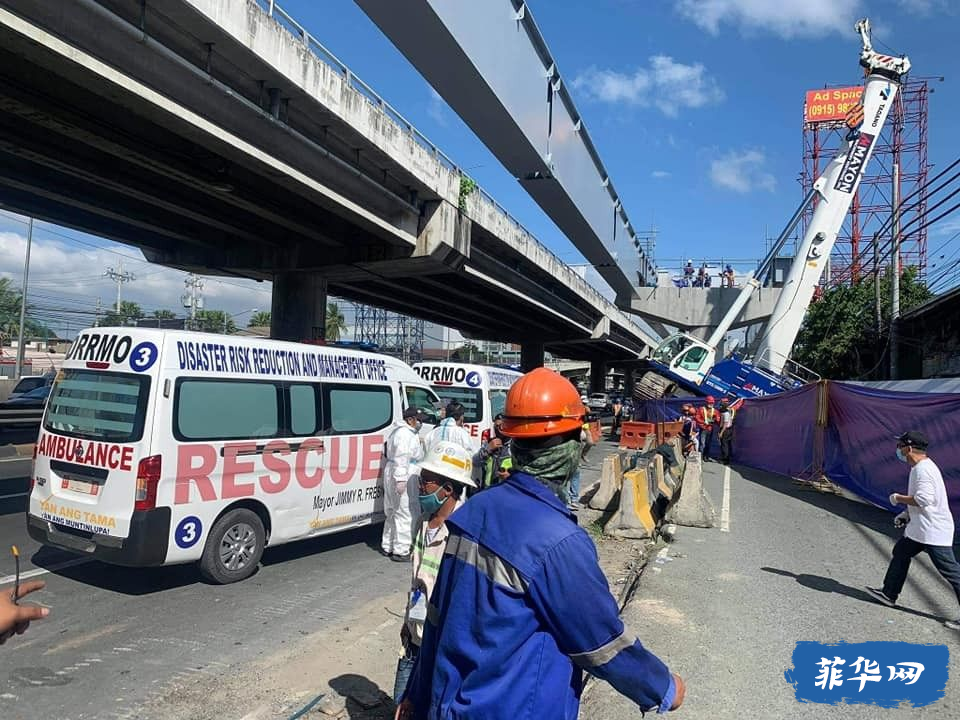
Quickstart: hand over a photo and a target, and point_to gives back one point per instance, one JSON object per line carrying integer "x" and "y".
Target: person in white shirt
{"x": 928, "y": 521}
{"x": 450, "y": 429}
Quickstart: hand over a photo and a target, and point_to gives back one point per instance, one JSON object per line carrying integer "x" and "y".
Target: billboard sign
{"x": 830, "y": 104}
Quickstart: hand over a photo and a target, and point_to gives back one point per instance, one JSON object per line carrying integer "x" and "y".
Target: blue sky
{"x": 695, "y": 106}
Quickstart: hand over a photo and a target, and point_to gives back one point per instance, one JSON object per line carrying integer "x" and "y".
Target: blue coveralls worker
{"x": 521, "y": 606}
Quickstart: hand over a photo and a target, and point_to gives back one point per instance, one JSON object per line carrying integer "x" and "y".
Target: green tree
{"x": 213, "y": 321}
{"x": 467, "y": 353}
{"x": 129, "y": 313}
{"x": 10, "y": 315}
{"x": 336, "y": 324}
{"x": 839, "y": 339}
{"x": 9, "y": 308}
{"x": 259, "y": 319}
{"x": 163, "y": 314}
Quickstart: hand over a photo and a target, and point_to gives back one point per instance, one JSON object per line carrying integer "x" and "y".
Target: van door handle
{"x": 258, "y": 450}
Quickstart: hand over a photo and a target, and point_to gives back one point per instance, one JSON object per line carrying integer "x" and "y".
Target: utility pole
{"x": 23, "y": 302}
{"x": 876, "y": 283}
{"x": 895, "y": 277}
{"x": 193, "y": 300}
{"x": 96, "y": 322}
{"x": 119, "y": 277}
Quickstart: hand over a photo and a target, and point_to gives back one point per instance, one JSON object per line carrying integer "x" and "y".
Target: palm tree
{"x": 260, "y": 319}
{"x": 336, "y": 324}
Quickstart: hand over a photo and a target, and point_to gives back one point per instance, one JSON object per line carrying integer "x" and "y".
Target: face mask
{"x": 553, "y": 466}
{"x": 900, "y": 456}
{"x": 429, "y": 504}
{"x": 418, "y": 426}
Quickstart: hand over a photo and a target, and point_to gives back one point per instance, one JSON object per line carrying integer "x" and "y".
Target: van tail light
{"x": 148, "y": 476}
{"x": 485, "y": 437}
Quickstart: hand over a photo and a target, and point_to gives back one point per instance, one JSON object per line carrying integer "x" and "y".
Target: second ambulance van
{"x": 161, "y": 447}
{"x": 480, "y": 389}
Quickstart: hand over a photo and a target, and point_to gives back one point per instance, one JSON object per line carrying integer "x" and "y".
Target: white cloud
{"x": 66, "y": 280}
{"x": 668, "y": 85}
{"x": 437, "y": 108}
{"x": 947, "y": 226}
{"x": 742, "y": 172}
{"x": 660, "y": 174}
{"x": 786, "y": 18}
{"x": 923, "y": 7}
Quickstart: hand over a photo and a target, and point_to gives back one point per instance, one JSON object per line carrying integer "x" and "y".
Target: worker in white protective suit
{"x": 403, "y": 451}
{"x": 451, "y": 429}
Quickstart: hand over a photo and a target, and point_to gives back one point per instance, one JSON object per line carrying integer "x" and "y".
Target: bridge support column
{"x": 531, "y": 356}
{"x": 628, "y": 382}
{"x": 598, "y": 376}
{"x": 298, "y": 309}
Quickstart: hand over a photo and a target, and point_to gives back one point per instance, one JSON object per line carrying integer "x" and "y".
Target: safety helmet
{"x": 710, "y": 400}
{"x": 450, "y": 461}
{"x": 540, "y": 404}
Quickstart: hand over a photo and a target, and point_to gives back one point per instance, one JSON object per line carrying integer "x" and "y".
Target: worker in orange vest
{"x": 709, "y": 420}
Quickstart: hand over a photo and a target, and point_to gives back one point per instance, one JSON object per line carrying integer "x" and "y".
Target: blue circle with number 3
{"x": 188, "y": 532}
{"x": 143, "y": 356}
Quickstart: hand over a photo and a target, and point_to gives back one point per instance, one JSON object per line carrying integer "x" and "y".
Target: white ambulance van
{"x": 480, "y": 389}
{"x": 160, "y": 447}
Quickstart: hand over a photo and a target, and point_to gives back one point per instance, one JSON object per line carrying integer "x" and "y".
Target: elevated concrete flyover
{"x": 699, "y": 310}
{"x": 222, "y": 140}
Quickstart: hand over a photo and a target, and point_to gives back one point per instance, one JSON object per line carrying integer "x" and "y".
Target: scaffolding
{"x": 903, "y": 142}
{"x": 398, "y": 335}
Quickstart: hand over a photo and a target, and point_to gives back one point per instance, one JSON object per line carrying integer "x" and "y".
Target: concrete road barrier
{"x": 693, "y": 507}
{"x": 611, "y": 478}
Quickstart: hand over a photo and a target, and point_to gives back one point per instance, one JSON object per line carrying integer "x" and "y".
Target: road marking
{"x": 725, "y": 509}
{"x": 6, "y": 580}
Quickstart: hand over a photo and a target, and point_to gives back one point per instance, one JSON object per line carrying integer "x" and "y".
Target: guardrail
{"x": 26, "y": 417}
{"x": 286, "y": 21}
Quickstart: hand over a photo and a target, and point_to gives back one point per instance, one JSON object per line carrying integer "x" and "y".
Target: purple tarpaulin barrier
{"x": 775, "y": 433}
{"x": 859, "y": 448}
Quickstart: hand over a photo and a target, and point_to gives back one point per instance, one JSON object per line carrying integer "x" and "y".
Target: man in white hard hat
{"x": 445, "y": 474}
{"x": 403, "y": 451}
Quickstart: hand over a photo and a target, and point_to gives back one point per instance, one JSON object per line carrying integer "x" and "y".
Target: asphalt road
{"x": 117, "y": 637}
{"x": 728, "y": 607}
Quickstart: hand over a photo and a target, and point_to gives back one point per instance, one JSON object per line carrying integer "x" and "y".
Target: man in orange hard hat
{"x": 521, "y": 606}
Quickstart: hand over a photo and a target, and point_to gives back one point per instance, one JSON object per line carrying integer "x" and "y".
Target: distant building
{"x": 930, "y": 338}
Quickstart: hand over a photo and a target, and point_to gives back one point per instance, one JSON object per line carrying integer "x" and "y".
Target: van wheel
{"x": 233, "y": 548}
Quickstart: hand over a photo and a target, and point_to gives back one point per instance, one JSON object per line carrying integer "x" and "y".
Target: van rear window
{"x": 471, "y": 399}
{"x": 97, "y": 405}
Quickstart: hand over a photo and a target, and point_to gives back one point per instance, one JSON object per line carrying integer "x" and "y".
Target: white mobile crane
{"x": 690, "y": 363}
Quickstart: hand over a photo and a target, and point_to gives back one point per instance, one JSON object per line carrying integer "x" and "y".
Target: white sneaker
{"x": 952, "y": 624}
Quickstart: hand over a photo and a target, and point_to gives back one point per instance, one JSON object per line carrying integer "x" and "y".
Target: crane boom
{"x": 834, "y": 190}
{"x": 691, "y": 364}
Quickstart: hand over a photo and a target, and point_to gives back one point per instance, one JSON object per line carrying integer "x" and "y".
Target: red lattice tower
{"x": 903, "y": 141}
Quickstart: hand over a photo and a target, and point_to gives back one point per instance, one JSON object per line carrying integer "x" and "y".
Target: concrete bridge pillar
{"x": 628, "y": 382}
{"x": 598, "y": 376}
{"x": 531, "y": 356}
{"x": 298, "y": 309}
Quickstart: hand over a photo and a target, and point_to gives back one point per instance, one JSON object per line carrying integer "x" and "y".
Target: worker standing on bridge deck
{"x": 709, "y": 419}
{"x": 403, "y": 451}
{"x": 445, "y": 474}
{"x": 928, "y": 520}
{"x": 521, "y": 606}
